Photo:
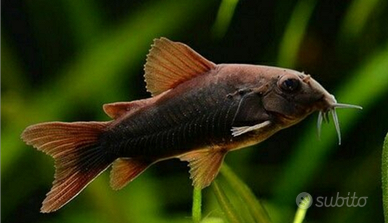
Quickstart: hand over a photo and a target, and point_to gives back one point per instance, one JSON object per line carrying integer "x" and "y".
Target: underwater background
{"x": 62, "y": 60}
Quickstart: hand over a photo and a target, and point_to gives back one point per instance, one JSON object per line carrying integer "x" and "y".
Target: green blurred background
{"x": 62, "y": 60}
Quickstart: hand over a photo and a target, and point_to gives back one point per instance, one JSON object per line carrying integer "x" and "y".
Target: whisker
{"x": 336, "y": 124}
{"x": 339, "y": 105}
{"x": 326, "y": 117}
{"x": 319, "y": 124}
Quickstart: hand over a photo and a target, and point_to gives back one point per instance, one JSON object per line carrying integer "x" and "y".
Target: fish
{"x": 198, "y": 112}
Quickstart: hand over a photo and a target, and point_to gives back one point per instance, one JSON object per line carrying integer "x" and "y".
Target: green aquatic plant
{"x": 384, "y": 177}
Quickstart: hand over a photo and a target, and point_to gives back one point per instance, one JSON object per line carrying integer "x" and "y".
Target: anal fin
{"x": 204, "y": 165}
{"x": 124, "y": 170}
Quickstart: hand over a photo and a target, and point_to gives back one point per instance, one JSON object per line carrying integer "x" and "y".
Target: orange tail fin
{"x": 78, "y": 157}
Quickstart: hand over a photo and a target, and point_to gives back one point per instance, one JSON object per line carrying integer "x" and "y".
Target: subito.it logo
{"x": 304, "y": 200}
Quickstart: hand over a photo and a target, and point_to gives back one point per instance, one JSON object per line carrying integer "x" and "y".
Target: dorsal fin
{"x": 171, "y": 63}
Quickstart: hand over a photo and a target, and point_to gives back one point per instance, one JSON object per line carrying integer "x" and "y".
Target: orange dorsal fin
{"x": 204, "y": 165}
{"x": 171, "y": 63}
{"x": 124, "y": 170}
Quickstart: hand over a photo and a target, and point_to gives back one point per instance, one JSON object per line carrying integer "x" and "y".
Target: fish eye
{"x": 289, "y": 84}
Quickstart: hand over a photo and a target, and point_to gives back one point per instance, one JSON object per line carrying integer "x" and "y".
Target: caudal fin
{"x": 78, "y": 157}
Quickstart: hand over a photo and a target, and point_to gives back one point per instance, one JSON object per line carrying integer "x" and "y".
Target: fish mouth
{"x": 330, "y": 108}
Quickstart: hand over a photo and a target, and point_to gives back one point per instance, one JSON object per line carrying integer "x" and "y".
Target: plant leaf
{"x": 224, "y": 17}
{"x": 197, "y": 203}
{"x": 230, "y": 212}
{"x": 294, "y": 33}
{"x": 242, "y": 190}
{"x": 302, "y": 209}
{"x": 384, "y": 177}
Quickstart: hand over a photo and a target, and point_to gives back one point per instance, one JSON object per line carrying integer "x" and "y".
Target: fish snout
{"x": 329, "y": 105}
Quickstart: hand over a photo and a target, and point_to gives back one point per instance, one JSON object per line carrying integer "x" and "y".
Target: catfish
{"x": 198, "y": 112}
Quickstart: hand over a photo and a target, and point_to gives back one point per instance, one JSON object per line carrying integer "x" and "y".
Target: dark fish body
{"x": 202, "y": 116}
{"x": 199, "y": 111}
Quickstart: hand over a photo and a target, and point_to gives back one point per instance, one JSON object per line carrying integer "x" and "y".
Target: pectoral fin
{"x": 236, "y": 131}
{"x": 204, "y": 165}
